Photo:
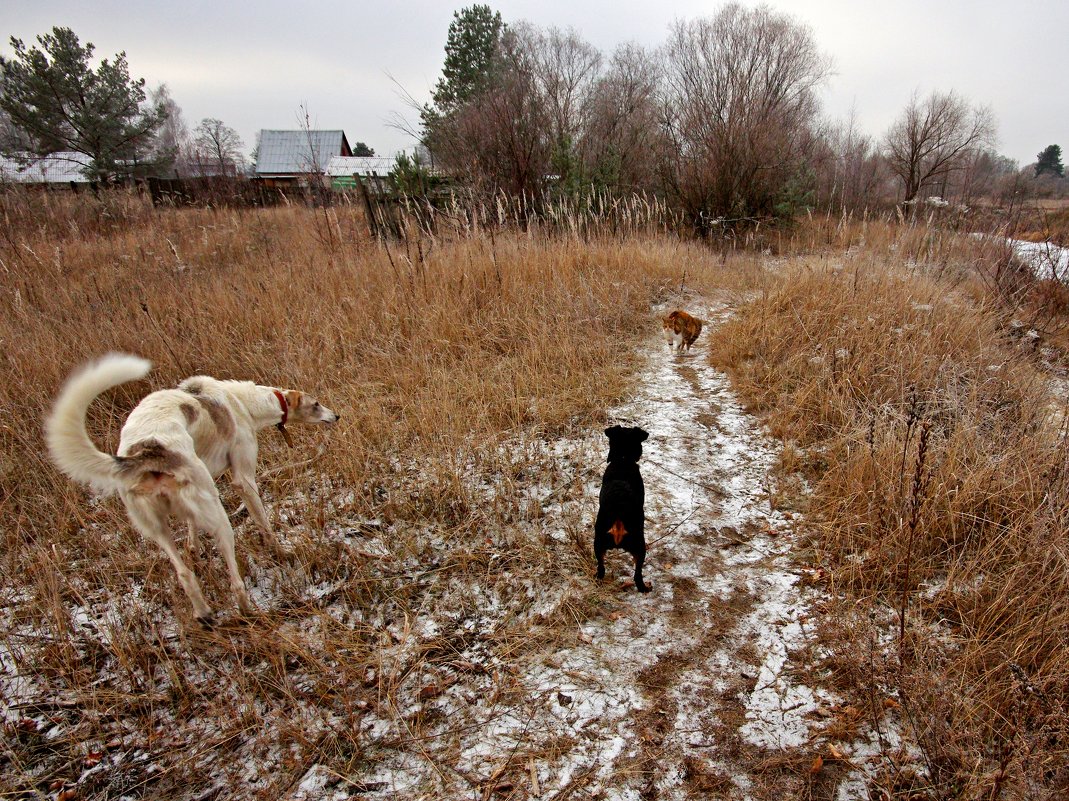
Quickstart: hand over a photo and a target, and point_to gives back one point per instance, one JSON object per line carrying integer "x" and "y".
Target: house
{"x": 286, "y": 157}
{"x": 341, "y": 170}
{"x": 205, "y": 165}
{"x": 63, "y": 167}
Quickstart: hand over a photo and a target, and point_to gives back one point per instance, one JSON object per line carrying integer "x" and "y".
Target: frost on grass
{"x": 468, "y": 650}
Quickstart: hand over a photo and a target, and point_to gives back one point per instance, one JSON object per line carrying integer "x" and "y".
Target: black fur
{"x": 622, "y": 499}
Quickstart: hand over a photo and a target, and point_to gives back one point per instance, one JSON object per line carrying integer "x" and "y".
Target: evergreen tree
{"x": 1050, "y": 160}
{"x": 474, "y": 35}
{"x": 58, "y": 102}
{"x": 361, "y": 149}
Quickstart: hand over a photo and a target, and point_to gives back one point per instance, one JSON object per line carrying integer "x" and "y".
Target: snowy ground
{"x": 507, "y": 672}
{"x": 1048, "y": 261}
{"x": 698, "y": 687}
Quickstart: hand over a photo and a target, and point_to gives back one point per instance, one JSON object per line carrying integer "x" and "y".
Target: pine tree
{"x": 1050, "y": 160}
{"x": 58, "y": 102}
{"x": 474, "y": 35}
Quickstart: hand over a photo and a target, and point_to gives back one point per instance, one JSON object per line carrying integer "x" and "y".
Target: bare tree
{"x": 566, "y": 69}
{"x": 739, "y": 104}
{"x": 852, "y": 173}
{"x": 500, "y": 137}
{"x": 170, "y": 145}
{"x": 217, "y": 148}
{"x": 623, "y": 128}
{"x": 935, "y": 138}
{"x": 986, "y": 174}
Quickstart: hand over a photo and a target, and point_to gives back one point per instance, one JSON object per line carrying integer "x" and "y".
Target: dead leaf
{"x": 818, "y": 763}
{"x": 429, "y": 692}
{"x": 890, "y": 703}
{"x": 850, "y": 713}
{"x": 93, "y": 758}
{"x": 835, "y": 752}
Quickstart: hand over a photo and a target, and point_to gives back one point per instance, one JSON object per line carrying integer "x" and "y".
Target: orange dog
{"x": 681, "y": 329}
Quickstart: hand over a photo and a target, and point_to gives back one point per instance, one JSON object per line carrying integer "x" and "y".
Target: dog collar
{"x": 281, "y": 425}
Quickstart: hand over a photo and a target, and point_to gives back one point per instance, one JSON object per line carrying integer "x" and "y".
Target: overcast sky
{"x": 253, "y": 65}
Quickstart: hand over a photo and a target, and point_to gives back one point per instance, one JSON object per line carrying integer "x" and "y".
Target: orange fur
{"x": 681, "y": 329}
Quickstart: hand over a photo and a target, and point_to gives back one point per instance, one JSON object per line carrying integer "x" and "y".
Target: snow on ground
{"x": 690, "y": 686}
{"x": 493, "y": 684}
{"x": 1047, "y": 260}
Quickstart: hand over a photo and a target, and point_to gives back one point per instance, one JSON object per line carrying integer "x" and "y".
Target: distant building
{"x": 64, "y": 167}
{"x": 341, "y": 169}
{"x": 203, "y": 165}
{"x": 286, "y": 157}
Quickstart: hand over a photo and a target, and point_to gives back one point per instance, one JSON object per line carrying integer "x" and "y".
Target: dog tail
{"x": 68, "y": 441}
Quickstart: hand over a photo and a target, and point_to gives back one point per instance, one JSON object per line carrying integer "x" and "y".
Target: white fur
{"x": 197, "y": 431}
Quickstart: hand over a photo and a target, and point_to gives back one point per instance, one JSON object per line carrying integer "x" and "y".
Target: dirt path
{"x": 701, "y": 670}
{"x": 696, "y": 689}
{"x": 504, "y": 671}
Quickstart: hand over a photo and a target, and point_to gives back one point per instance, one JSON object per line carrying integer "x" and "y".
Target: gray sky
{"x": 253, "y": 65}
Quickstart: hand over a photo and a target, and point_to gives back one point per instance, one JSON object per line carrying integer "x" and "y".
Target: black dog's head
{"x": 625, "y": 444}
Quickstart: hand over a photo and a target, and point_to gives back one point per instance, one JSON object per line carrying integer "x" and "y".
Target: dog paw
{"x": 207, "y": 621}
{"x": 246, "y": 605}
{"x": 645, "y": 587}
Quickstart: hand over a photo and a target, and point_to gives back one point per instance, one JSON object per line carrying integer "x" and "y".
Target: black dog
{"x": 621, "y": 521}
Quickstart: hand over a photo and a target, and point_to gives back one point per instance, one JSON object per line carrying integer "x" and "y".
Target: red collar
{"x": 285, "y": 406}
{"x": 281, "y": 425}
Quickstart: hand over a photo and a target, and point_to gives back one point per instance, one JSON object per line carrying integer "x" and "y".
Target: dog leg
{"x": 153, "y": 526}
{"x": 640, "y": 558}
{"x": 192, "y": 541}
{"x": 600, "y": 554}
{"x": 245, "y": 484}
{"x": 209, "y": 514}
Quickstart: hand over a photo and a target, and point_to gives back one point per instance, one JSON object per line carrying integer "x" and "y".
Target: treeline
{"x": 723, "y": 120}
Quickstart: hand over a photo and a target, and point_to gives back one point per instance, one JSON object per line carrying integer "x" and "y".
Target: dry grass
{"x": 453, "y": 363}
{"x": 470, "y": 373}
{"x": 940, "y": 496}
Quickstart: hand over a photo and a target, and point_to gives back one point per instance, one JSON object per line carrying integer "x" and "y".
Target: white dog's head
{"x": 306, "y": 409}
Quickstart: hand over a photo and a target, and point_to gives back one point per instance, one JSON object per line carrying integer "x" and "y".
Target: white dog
{"x": 174, "y": 445}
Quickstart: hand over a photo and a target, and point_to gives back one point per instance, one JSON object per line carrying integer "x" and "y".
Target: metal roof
{"x": 297, "y": 152}
{"x": 360, "y": 165}
{"x": 57, "y": 168}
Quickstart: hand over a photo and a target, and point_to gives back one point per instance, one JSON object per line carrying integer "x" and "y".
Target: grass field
{"x": 895, "y": 363}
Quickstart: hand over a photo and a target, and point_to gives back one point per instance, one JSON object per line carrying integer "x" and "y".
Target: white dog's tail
{"x": 68, "y": 441}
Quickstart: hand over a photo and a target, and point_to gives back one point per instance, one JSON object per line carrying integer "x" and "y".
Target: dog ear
{"x": 612, "y": 431}
{"x": 642, "y": 435}
{"x": 293, "y": 397}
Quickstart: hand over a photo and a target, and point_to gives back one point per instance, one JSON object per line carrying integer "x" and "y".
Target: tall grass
{"x": 938, "y": 465}
{"x": 453, "y": 363}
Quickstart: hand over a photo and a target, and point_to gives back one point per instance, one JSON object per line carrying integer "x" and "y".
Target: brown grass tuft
{"x": 454, "y": 364}
{"x": 940, "y": 492}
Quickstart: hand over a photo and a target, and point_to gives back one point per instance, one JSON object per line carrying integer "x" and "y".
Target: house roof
{"x": 297, "y": 152}
{"x": 57, "y": 168}
{"x": 343, "y": 166}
